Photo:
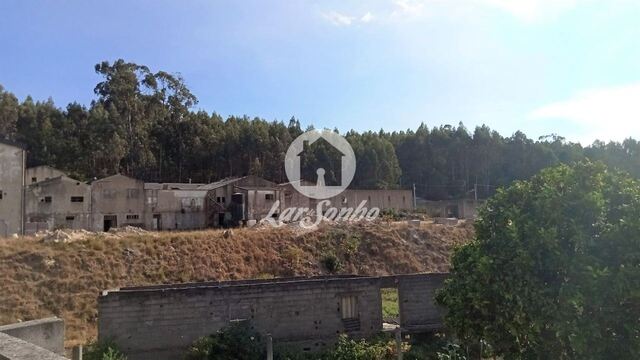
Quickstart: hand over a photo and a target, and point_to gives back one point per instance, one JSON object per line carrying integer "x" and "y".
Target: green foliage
{"x": 350, "y": 349}
{"x": 235, "y": 342}
{"x": 331, "y": 262}
{"x": 554, "y": 271}
{"x": 142, "y": 124}
{"x": 390, "y": 306}
{"x": 106, "y": 350}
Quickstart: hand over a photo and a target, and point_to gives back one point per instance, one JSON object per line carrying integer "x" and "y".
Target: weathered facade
{"x": 12, "y": 169}
{"x": 461, "y": 209}
{"x": 174, "y": 206}
{"x": 57, "y": 203}
{"x": 383, "y": 199}
{"x": 41, "y": 173}
{"x": 160, "y": 322}
{"x": 235, "y": 201}
{"x": 117, "y": 201}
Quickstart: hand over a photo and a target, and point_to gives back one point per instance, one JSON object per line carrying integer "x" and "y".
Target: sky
{"x": 543, "y": 67}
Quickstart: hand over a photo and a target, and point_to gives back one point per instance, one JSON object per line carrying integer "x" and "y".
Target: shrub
{"x": 331, "y": 262}
{"x": 350, "y": 349}
{"x": 234, "y": 342}
{"x": 105, "y": 350}
{"x": 554, "y": 271}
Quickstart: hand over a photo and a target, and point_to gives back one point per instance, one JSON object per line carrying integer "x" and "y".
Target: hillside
{"x": 64, "y": 279}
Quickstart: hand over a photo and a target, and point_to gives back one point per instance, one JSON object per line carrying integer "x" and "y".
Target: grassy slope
{"x": 40, "y": 280}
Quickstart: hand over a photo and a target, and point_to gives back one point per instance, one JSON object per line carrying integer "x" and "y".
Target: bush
{"x": 105, "y": 350}
{"x": 331, "y": 262}
{"x": 234, "y": 342}
{"x": 349, "y": 349}
{"x": 554, "y": 271}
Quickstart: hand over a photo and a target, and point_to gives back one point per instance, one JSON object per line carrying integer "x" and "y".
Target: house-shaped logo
{"x": 320, "y": 190}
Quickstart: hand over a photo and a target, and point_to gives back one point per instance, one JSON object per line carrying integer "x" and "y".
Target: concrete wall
{"x": 161, "y": 323}
{"x": 41, "y": 173}
{"x": 45, "y": 333}
{"x": 461, "y": 209}
{"x": 61, "y": 211}
{"x": 416, "y": 294}
{"x": 120, "y": 197}
{"x": 12, "y": 160}
{"x": 12, "y": 348}
{"x": 174, "y": 209}
{"x": 382, "y": 199}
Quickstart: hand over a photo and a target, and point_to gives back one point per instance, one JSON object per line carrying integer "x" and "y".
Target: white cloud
{"x": 368, "y": 17}
{"x": 339, "y": 19}
{"x": 532, "y": 10}
{"x": 610, "y": 113}
{"x": 407, "y": 8}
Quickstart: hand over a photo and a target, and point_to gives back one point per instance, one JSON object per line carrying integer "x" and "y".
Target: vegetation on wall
{"x": 554, "y": 270}
{"x": 145, "y": 124}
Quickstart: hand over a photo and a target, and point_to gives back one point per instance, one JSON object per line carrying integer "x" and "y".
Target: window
{"x": 70, "y": 218}
{"x": 1, "y": 194}
{"x": 108, "y": 193}
{"x": 34, "y": 179}
{"x": 133, "y": 217}
{"x": 132, "y": 193}
{"x": 47, "y": 199}
{"x": 268, "y": 197}
{"x": 349, "y": 307}
{"x": 77, "y": 199}
{"x": 152, "y": 199}
{"x": 220, "y": 199}
{"x": 344, "y": 200}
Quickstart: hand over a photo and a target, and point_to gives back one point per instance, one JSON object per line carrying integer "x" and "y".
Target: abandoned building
{"x": 117, "y": 201}
{"x": 160, "y": 322}
{"x": 55, "y": 203}
{"x": 238, "y": 201}
{"x": 395, "y": 199}
{"x": 460, "y": 208}
{"x": 174, "y": 206}
{"x": 40, "y": 173}
{"x": 12, "y": 169}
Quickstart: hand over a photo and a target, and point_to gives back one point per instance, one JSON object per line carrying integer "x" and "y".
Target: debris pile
{"x": 68, "y": 235}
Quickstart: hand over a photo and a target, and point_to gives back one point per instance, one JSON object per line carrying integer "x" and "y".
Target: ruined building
{"x": 160, "y": 322}
{"x": 12, "y": 168}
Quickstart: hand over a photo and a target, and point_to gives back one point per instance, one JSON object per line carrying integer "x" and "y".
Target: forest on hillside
{"x": 143, "y": 124}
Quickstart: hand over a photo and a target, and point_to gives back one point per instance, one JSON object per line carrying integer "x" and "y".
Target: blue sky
{"x": 541, "y": 66}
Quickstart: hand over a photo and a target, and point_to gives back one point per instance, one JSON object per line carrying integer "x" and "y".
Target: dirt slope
{"x": 64, "y": 279}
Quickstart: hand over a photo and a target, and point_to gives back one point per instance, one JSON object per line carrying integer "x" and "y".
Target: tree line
{"x": 143, "y": 124}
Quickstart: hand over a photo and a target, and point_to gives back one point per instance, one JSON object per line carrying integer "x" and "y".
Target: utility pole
{"x": 414, "y": 197}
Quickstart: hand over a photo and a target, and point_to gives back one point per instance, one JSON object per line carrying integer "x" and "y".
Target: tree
{"x": 554, "y": 271}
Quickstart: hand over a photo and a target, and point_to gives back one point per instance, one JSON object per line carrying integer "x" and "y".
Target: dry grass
{"x": 43, "y": 279}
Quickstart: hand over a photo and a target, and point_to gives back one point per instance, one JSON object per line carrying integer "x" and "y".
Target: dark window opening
{"x": 133, "y": 217}
{"x": 268, "y": 196}
{"x": 34, "y": 179}
{"x": 77, "y": 199}
{"x": 47, "y": 199}
{"x": 70, "y": 218}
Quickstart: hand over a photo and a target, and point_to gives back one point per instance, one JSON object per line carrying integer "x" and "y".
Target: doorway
{"x": 390, "y": 307}
{"x": 157, "y": 222}
{"x": 110, "y": 221}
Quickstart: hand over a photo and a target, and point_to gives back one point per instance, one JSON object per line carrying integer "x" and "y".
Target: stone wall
{"x": 161, "y": 322}
{"x": 46, "y": 333}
